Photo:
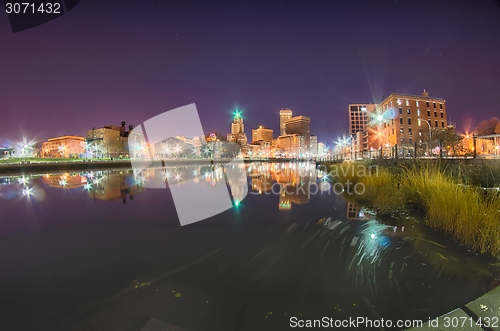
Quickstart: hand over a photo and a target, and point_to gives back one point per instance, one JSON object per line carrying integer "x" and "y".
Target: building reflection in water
{"x": 112, "y": 185}
{"x": 290, "y": 181}
{"x": 66, "y": 180}
{"x": 354, "y": 212}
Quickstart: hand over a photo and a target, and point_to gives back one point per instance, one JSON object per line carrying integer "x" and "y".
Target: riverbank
{"x": 475, "y": 172}
{"x": 466, "y": 213}
{"x": 20, "y": 166}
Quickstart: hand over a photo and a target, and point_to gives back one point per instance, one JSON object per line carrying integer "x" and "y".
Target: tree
{"x": 450, "y": 141}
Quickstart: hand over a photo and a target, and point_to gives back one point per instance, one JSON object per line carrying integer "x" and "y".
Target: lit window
{"x": 416, "y": 102}
{"x": 363, "y": 108}
{"x": 407, "y": 102}
{"x": 399, "y": 102}
{"x": 408, "y": 111}
{"x": 418, "y": 112}
{"x": 419, "y": 123}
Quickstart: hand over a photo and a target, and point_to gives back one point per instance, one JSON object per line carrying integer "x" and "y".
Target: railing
{"x": 408, "y": 151}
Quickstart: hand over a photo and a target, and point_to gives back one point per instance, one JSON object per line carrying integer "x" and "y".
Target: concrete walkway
{"x": 480, "y": 314}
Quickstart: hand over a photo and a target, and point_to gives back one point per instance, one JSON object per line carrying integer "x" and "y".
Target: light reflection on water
{"x": 96, "y": 236}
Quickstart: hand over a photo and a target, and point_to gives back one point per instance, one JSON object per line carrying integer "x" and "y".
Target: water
{"x": 98, "y": 251}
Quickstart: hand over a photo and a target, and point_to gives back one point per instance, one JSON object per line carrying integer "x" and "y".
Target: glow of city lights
{"x": 236, "y": 203}
{"x": 177, "y": 177}
{"x": 87, "y": 187}
{"x": 237, "y": 114}
{"x": 28, "y": 191}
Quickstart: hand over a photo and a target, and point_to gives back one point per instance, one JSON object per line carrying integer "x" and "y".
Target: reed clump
{"x": 468, "y": 214}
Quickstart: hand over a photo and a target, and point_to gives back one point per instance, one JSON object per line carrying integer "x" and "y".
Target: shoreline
{"x": 64, "y": 166}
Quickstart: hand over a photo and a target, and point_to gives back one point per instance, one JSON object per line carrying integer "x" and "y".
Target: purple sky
{"x": 108, "y": 61}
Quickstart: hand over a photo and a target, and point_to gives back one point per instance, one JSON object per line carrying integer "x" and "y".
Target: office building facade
{"x": 406, "y": 119}
{"x": 285, "y": 115}
{"x": 64, "y": 147}
{"x": 262, "y": 133}
{"x": 358, "y": 117}
{"x": 300, "y": 125}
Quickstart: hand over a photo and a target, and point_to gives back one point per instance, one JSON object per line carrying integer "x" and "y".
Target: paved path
{"x": 480, "y": 314}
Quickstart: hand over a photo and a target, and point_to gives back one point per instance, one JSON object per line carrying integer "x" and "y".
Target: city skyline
{"x": 101, "y": 64}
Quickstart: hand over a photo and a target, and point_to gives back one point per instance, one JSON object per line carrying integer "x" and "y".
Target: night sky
{"x": 108, "y": 61}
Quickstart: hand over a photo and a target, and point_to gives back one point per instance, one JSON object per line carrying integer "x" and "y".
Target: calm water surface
{"x": 98, "y": 251}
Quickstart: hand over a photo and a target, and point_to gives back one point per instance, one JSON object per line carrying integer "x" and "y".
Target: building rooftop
{"x": 66, "y": 137}
{"x": 413, "y": 96}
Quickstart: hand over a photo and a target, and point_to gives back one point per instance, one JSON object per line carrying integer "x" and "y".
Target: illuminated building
{"x": 262, "y": 133}
{"x": 300, "y": 125}
{"x": 285, "y": 115}
{"x": 113, "y": 141}
{"x": 358, "y": 117}
{"x": 313, "y": 145}
{"x": 64, "y": 147}
{"x": 405, "y": 119}
{"x": 291, "y": 145}
{"x": 6, "y": 153}
{"x": 259, "y": 149}
{"x": 321, "y": 149}
{"x": 237, "y": 134}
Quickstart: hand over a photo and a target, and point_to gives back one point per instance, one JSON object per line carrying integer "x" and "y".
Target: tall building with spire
{"x": 237, "y": 134}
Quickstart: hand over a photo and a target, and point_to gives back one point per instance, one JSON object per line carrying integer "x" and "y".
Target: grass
{"x": 469, "y": 214}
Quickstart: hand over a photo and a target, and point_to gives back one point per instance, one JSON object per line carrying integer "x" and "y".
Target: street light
{"x": 430, "y": 135}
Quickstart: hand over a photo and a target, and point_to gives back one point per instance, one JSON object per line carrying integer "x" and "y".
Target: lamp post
{"x": 474, "y": 138}
{"x": 430, "y": 135}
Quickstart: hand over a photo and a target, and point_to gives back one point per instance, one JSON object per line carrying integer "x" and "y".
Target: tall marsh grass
{"x": 466, "y": 213}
